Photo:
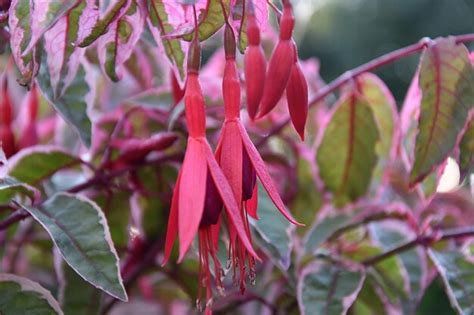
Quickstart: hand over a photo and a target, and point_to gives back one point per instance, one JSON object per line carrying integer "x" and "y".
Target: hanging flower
{"x": 255, "y": 65}
{"x": 280, "y": 64}
{"x": 297, "y": 95}
{"x": 7, "y": 138}
{"x": 241, "y": 163}
{"x": 201, "y": 190}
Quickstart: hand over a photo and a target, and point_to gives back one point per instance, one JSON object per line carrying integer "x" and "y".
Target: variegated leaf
{"x": 117, "y": 45}
{"x": 447, "y": 85}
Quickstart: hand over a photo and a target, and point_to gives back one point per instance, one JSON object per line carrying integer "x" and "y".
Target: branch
{"x": 423, "y": 240}
{"x": 369, "y": 66}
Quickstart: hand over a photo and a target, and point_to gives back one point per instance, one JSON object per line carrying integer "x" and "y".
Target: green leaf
{"x": 22, "y": 296}
{"x": 159, "y": 26}
{"x": 384, "y": 108}
{"x": 37, "y": 163}
{"x": 346, "y": 156}
{"x": 77, "y": 297}
{"x": 328, "y": 288}
{"x": 211, "y": 19}
{"x": 73, "y": 102}
{"x": 466, "y": 147}
{"x": 10, "y": 187}
{"x": 447, "y": 84}
{"x": 80, "y": 231}
{"x": 457, "y": 273}
{"x": 321, "y": 231}
{"x": 273, "y": 229}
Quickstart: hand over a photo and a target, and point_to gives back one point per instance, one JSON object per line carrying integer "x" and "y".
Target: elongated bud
{"x": 297, "y": 95}
{"x": 278, "y": 73}
{"x": 255, "y": 68}
{"x": 7, "y": 138}
{"x": 249, "y": 177}
{"x": 212, "y": 205}
{"x": 29, "y": 132}
{"x": 176, "y": 89}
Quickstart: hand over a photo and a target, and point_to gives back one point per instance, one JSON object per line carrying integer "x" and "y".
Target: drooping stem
{"x": 422, "y": 240}
{"x": 369, "y": 66}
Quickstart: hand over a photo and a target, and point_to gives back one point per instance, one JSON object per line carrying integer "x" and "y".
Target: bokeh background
{"x": 343, "y": 34}
{"x": 346, "y": 33}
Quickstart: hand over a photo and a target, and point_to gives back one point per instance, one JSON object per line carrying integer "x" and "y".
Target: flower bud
{"x": 278, "y": 73}
{"x": 297, "y": 97}
{"x": 287, "y": 23}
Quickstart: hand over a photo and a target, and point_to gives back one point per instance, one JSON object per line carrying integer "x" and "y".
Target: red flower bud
{"x": 278, "y": 73}
{"x": 178, "y": 92}
{"x": 7, "y": 138}
{"x": 7, "y": 141}
{"x": 287, "y": 23}
{"x": 29, "y": 132}
{"x": 297, "y": 96}
{"x": 255, "y": 68}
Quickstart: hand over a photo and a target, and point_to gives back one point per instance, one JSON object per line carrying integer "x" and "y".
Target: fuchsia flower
{"x": 280, "y": 65}
{"x": 241, "y": 163}
{"x": 255, "y": 65}
{"x": 201, "y": 190}
{"x": 29, "y": 132}
{"x": 297, "y": 95}
{"x": 7, "y": 138}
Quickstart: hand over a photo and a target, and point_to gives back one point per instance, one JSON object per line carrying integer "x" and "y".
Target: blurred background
{"x": 343, "y": 34}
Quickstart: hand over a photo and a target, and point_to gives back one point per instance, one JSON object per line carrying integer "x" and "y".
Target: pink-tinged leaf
{"x": 192, "y": 193}
{"x": 60, "y": 45}
{"x": 172, "y": 229}
{"x": 160, "y": 22}
{"x": 231, "y": 157}
{"x": 346, "y": 156}
{"x": 466, "y": 147}
{"x": 447, "y": 84}
{"x": 231, "y": 207}
{"x": 328, "y": 288}
{"x": 116, "y": 46}
{"x": 210, "y": 20}
{"x": 87, "y": 21}
{"x": 383, "y": 105}
{"x": 262, "y": 173}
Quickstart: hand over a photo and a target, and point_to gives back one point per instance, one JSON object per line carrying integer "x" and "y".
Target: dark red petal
{"x": 264, "y": 176}
{"x": 252, "y": 204}
{"x": 212, "y": 204}
{"x": 29, "y": 136}
{"x": 7, "y": 141}
{"x": 172, "y": 229}
{"x": 231, "y": 207}
{"x": 297, "y": 96}
{"x": 249, "y": 178}
{"x": 192, "y": 192}
{"x": 278, "y": 73}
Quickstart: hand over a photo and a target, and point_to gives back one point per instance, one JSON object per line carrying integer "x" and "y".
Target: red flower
{"x": 297, "y": 96}
{"x": 29, "y": 132}
{"x": 201, "y": 190}
{"x": 280, "y": 65}
{"x": 255, "y": 67}
{"x": 7, "y": 139}
{"x": 241, "y": 163}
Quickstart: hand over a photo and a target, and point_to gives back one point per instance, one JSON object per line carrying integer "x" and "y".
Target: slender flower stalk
{"x": 7, "y": 138}
{"x": 201, "y": 190}
{"x": 241, "y": 164}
